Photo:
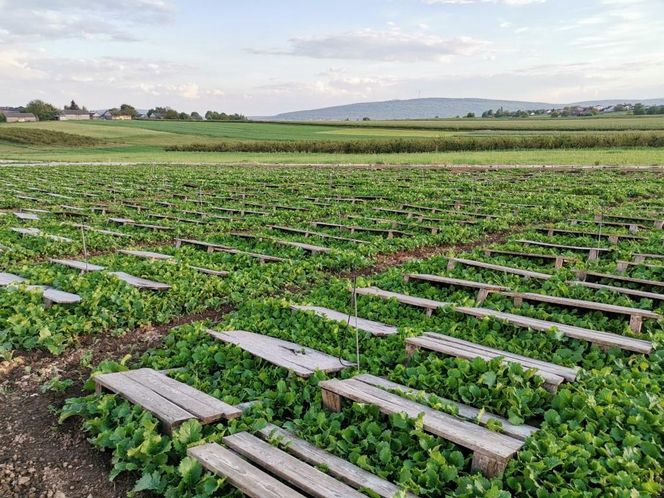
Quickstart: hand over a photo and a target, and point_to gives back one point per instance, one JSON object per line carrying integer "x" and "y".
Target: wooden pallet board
{"x": 294, "y": 357}
{"x": 310, "y": 233}
{"x": 339, "y": 468}
{"x": 559, "y": 260}
{"x": 612, "y": 237}
{"x": 466, "y": 412}
{"x": 428, "y": 304}
{"x": 593, "y": 252}
{"x": 636, "y": 315}
{"x": 171, "y": 401}
{"x": 482, "y": 288}
{"x": 587, "y": 275}
{"x": 9, "y": 279}
{"x": 374, "y": 328}
{"x": 622, "y": 266}
{"x": 620, "y": 290}
{"x": 82, "y": 266}
{"x": 36, "y": 232}
{"x": 208, "y": 271}
{"x": 250, "y": 480}
{"x": 146, "y": 254}
{"x": 26, "y": 216}
{"x": 140, "y": 283}
{"x": 390, "y": 232}
{"x": 553, "y": 375}
{"x": 491, "y": 450}
{"x": 452, "y": 262}
{"x": 658, "y": 223}
{"x": 295, "y": 472}
{"x": 632, "y": 227}
{"x": 101, "y": 230}
{"x": 642, "y": 257}
{"x": 55, "y": 296}
{"x": 604, "y": 340}
{"x": 211, "y": 247}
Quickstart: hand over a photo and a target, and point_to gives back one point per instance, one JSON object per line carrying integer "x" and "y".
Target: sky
{"x": 260, "y": 57}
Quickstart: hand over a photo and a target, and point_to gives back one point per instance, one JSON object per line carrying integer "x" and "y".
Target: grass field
{"x": 145, "y": 141}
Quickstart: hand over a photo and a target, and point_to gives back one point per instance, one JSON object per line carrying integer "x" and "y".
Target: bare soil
{"x": 40, "y": 458}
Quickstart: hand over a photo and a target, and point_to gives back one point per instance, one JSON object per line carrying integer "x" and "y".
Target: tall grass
{"x": 438, "y": 144}
{"x": 38, "y": 136}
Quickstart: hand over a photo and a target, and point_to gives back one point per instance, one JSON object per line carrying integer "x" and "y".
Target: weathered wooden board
{"x": 593, "y": 252}
{"x": 298, "y": 359}
{"x": 55, "y": 296}
{"x": 428, "y": 304}
{"x": 295, "y": 472}
{"x": 612, "y": 237}
{"x": 374, "y": 328}
{"x": 483, "y": 289}
{"x": 553, "y": 375}
{"x": 10, "y": 278}
{"x": 338, "y": 467}
{"x": 390, "y": 232}
{"x": 586, "y": 275}
{"x": 252, "y": 481}
{"x": 623, "y": 266}
{"x": 452, "y": 262}
{"x": 169, "y": 400}
{"x": 36, "y": 232}
{"x": 620, "y": 290}
{"x": 146, "y": 254}
{"x": 26, "y": 216}
{"x": 559, "y": 260}
{"x": 463, "y": 411}
{"x": 492, "y": 450}
{"x": 140, "y": 283}
{"x": 636, "y": 314}
{"x": 208, "y": 271}
{"x": 321, "y": 235}
{"x": 602, "y": 339}
{"x": 82, "y": 266}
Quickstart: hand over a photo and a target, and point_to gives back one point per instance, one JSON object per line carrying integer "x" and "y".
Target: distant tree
{"x": 128, "y": 110}
{"x": 184, "y": 116}
{"x": 171, "y": 114}
{"x": 196, "y": 116}
{"x": 3, "y": 118}
{"x": 365, "y": 118}
{"x": 41, "y": 109}
{"x": 639, "y": 109}
{"x": 73, "y": 106}
{"x": 158, "y": 113}
{"x": 470, "y": 115}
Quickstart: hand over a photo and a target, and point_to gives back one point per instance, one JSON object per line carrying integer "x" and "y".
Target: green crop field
{"x": 513, "y": 346}
{"x": 149, "y": 141}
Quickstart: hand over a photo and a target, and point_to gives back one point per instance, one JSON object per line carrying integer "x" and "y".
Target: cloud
{"x": 388, "y": 45}
{"x": 118, "y": 20}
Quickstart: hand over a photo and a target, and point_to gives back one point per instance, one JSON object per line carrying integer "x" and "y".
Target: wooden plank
{"x": 464, "y": 349}
{"x": 9, "y": 279}
{"x": 56, "y": 296}
{"x": 496, "y": 448}
{"x": 208, "y": 271}
{"x": 146, "y": 254}
{"x": 82, "y": 266}
{"x": 452, "y": 262}
{"x": 375, "y": 328}
{"x": 250, "y": 480}
{"x": 26, "y": 216}
{"x": 581, "y": 304}
{"x": 206, "y": 408}
{"x": 593, "y": 252}
{"x": 295, "y": 472}
{"x": 338, "y": 467}
{"x": 464, "y": 411}
{"x": 169, "y": 413}
{"x": 620, "y": 290}
{"x": 35, "y": 232}
{"x": 482, "y": 288}
{"x": 640, "y": 258}
{"x": 140, "y": 283}
{"x": 298, "y": 359}
{"x": 584, "y": 275}
{"x": 622, "y": 266}
{"x": 611, "y": 236}
{"x": 322, "y": 235}
{"x": 603, "y": 339}
{"x": 558, "y": 259}
{"x": 428, "y": 304}
{"x": 390, "y": 232}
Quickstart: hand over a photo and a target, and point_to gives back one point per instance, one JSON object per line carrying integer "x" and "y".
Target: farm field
{"x": 378, "y": 331}
{"x": 613, "y": 141}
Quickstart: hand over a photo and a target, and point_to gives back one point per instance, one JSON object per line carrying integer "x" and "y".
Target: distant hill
{"x": 427, "y": 108}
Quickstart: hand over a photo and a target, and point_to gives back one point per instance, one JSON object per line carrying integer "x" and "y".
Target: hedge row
{"x": 439, "y": 144}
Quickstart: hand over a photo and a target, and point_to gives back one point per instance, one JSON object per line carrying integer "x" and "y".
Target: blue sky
{"x": 261, "y": 57}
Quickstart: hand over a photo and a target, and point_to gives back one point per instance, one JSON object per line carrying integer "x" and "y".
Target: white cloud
{"x": 117, "y": 20}
{"x": 390, "y": 45}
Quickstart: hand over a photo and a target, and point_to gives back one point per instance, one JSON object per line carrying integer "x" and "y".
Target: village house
{"x": 19, "y": 117}
{"x": 111, "y": 115}
{"x": 70, "y": 115}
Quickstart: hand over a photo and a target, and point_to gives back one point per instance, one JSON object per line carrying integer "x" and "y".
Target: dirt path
{"x": 40, "y": 458}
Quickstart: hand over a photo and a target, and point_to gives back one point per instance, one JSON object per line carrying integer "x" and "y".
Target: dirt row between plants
{"x": 40, "y": 458}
